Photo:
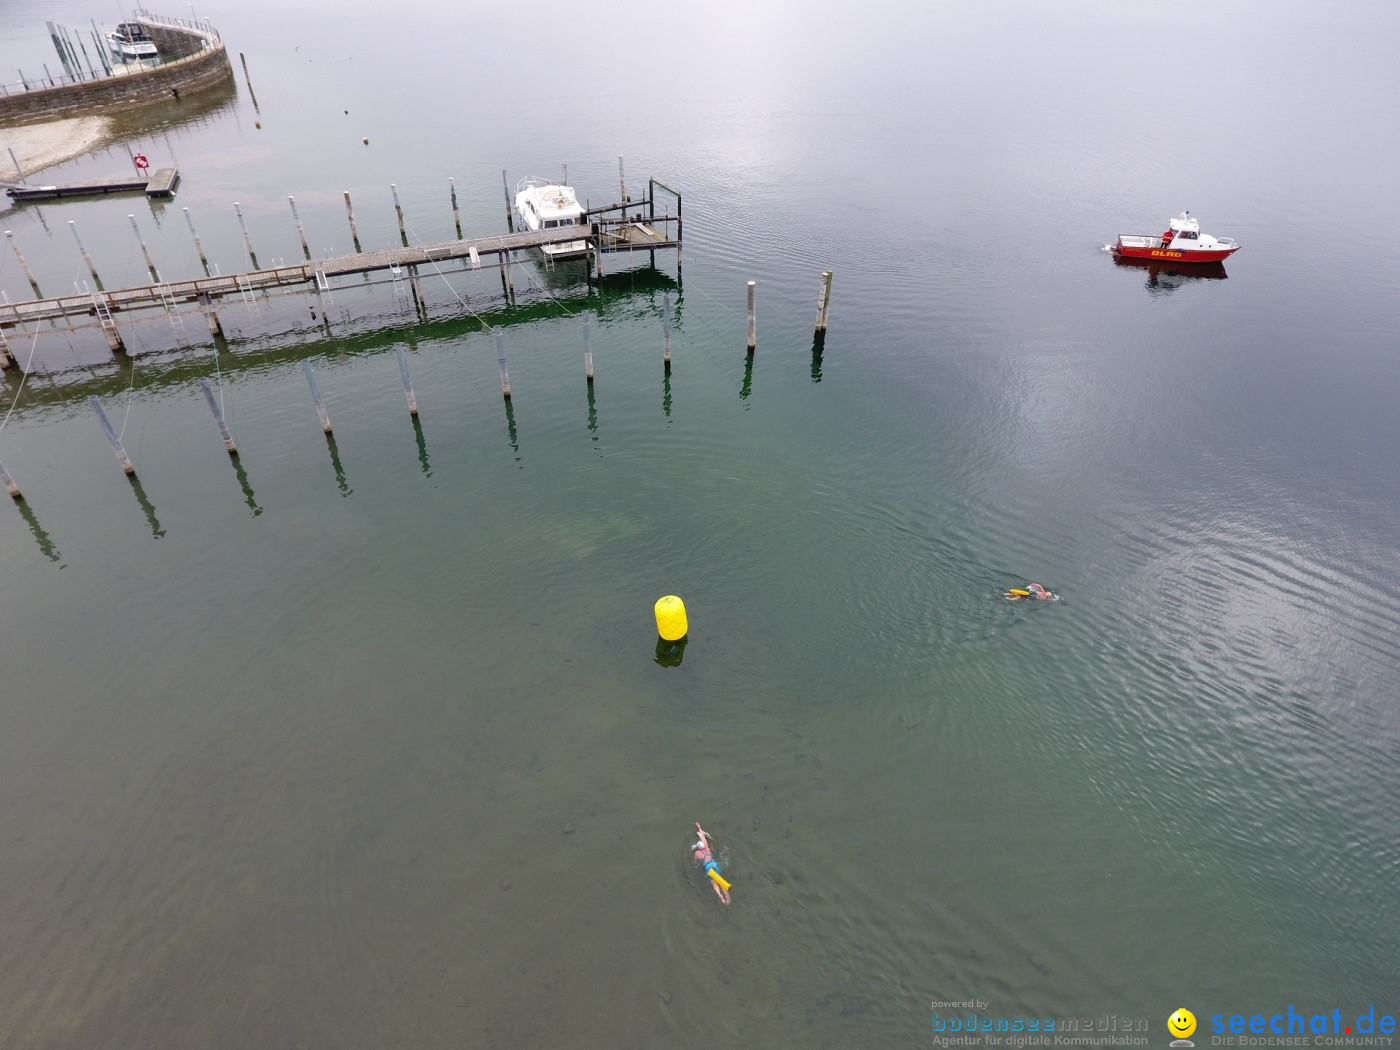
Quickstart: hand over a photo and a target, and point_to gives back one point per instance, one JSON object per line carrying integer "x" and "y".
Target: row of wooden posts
{"x": 247, "y": 237}
{"x": 216, "y": 408}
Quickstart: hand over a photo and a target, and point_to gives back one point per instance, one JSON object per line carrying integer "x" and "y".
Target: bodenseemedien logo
{"x": 1181, "y": 1024}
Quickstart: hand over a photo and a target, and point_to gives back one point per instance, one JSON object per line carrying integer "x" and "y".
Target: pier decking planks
{"x": 160, "y": 183}
{"x": 615, "y": 236}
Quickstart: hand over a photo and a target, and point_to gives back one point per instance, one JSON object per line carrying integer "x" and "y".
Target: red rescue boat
{"x": 1182, "y": 241}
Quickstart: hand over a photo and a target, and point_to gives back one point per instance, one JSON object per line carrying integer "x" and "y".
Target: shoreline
{"x": 42, "y": 146}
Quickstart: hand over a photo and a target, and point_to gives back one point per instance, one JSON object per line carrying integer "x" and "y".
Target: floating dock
{"x": 160, "y": 183}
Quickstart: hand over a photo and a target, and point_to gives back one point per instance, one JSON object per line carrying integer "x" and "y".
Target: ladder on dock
{"x": 401, "y": 296}
{"x": 7, "y": 356}
{"x": 168, "y": 301}
{"x": 245, "y": 289}
{"x": 104, "y": 317}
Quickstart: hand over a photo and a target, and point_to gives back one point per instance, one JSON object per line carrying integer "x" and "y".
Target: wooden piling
{"x": 510, "y": 216}
{"x": 354, "y": 233}
{"x": 621, "y": 185}
{"x": 823, "y": 303}
{"x": 316, "y": 396}
{"x": 115, "y": 441}
{"x": 407, "y": 382}
{"x": 417, "y": 287}
{"x": 322, "y": 286}
{"x": 9, "y": 483}
{"x": 24, "y": 265}
{"x": 305, "y": 249}
{"x": 501, "y": 357}
{"x": 456, "y": 215}
{"x": 403, "y": 234}
{"x": 588, "y": 345}
{"x": 86, "y": 257}
{"x": 753, "y": 327}
{"x": 666, "y": 331}
{"x": 246, "y": 78}
{"x": 218, "y": 411}
{"x": 598, "y": 251}
{"x": 206, "y": 304}
{"x": 203, "y": 260}
{"x": 247, "y": 241}
{"x": 155, "y": 275}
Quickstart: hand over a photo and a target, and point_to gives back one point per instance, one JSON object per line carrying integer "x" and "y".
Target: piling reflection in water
{"x": 46, "y": 544}
{"x": 510, "y": 430}
{"x": 147, "y": 507}
{"x": 340, "y": 481}
{"x": 818, "y": 344}
{"x": 422, "y": 447}
{"x": 245, "y": 486}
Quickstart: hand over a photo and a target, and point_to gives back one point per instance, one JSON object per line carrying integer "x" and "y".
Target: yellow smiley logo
{"x": 1182, "y": 1023}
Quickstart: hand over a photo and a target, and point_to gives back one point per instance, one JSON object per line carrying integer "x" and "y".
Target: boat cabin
{"x": 132, "y": 33}
{"x": 1181, "y": 228}
{"x": 130, "y": 40}
{"x": 545, "y": 205}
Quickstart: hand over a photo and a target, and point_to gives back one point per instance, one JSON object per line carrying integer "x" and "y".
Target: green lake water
{"x": 365, "y": 742}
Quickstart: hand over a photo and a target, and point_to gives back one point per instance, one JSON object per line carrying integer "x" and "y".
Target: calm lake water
{"x": 365, "y": 743}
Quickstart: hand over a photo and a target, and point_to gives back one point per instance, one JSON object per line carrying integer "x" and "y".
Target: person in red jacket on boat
{"x": 704, "y": 856}
{"x": 1167, "y": 237}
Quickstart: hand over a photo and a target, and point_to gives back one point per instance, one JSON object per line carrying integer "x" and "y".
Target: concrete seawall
{"x": 204, "y": 64}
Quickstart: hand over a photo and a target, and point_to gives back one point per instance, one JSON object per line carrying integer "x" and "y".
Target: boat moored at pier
{"x": 1182, "y": 241}
{"x": 131, "y": 41}
{"x": 544, "y": 205}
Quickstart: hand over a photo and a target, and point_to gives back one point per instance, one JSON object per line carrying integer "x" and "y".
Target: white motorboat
{"x": 544, "y": 205}
{"x": 131, "y": 41}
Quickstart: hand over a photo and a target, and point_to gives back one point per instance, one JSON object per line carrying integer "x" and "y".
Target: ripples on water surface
{"x": 367, "y": 745}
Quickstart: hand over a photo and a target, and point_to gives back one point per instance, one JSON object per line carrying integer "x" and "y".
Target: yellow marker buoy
{"x": 1017, "y": 590}
{"x": 670, "y": 618}
{"x": 719, "y": 879}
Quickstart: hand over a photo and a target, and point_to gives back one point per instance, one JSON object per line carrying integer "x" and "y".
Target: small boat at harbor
{"x": 1182, "y": 241}
{"x": 544, "y": 205}
{"x": 131, "y": 41}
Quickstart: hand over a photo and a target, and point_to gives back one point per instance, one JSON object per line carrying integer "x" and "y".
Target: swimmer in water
{"x": 704, "y": 856}
{"x": 1032, "y": 590}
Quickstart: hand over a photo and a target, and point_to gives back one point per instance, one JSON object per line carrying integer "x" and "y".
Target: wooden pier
{"x": 160, "y": 183}
{"x": 633, "y": 226}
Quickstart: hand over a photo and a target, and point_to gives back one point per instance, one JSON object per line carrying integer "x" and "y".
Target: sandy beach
{"x": 40, "y": 146}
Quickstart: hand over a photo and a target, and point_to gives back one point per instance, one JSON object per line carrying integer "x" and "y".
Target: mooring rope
{"x": 23, "y": 378}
